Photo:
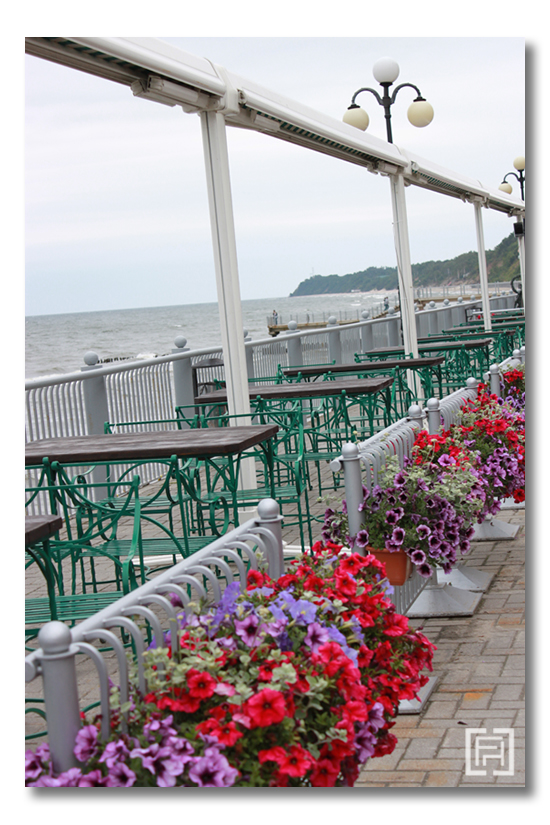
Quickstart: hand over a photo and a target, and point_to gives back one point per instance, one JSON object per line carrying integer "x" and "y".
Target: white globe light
{"x": 357, "y": 117}
{"x": 420, "y": 113}
{"x": 519, "y": 163}
{"x": 505, "y": 187}
{"x": 385, "y": 70}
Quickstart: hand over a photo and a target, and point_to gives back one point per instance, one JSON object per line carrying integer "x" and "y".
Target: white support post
{"x": 521, "y": 252}
{"x": 227, "y": 276}
{"x": 404, "y": 274}
{"x": 485, "y": 303}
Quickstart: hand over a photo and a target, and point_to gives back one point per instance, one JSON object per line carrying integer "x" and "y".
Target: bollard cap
{"x": 432, "y": 404}
{"x": 332, "y": 320}
{"x": 268, "y": 509}
{"x": 91, "y": 358}
{"x": 180, "y": 342}
{"x": 350, "y": 450}
{"x": 431, "y": 304}
{"x": 459, "y": 299}
{"x": 292, "y": 326}
{"x": 493, "y": 369}
{"x": 54, "y": 637}
{"x": 365, "y": 315}
{"x": 446, "y": 302}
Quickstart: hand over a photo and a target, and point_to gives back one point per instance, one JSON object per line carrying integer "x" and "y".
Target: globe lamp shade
{"x": 385, "y": 70}
{"x": 519, "y": 163}
{"x": 357, "y": 117}
{"x": 505, "y": 187}
{"x": 420, "y": 113}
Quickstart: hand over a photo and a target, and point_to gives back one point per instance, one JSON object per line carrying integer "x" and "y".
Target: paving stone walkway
{"x": 480, "y": 665}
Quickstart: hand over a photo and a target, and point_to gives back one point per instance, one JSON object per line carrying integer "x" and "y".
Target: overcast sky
{"x": 116, "y": 201}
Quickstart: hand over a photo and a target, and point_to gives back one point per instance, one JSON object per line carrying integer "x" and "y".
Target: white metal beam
{"x": 485, "y": 303}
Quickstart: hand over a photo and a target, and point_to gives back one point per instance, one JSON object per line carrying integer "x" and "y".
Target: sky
{"x": 116, "y": 210}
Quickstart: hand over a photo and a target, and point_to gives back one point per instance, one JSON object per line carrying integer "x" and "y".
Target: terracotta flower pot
{"x": 399, "y": 567}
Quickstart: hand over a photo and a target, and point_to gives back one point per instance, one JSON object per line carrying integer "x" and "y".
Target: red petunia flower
{"x": 324, "y": 773}
{"x": 265, "y": 708}
{"x": 293, "y": 762}
{"x": 200, "y": 685}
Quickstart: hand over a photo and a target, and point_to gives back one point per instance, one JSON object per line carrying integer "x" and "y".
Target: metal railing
{"x": 202, "y": 576}
{"x": 81, "y": 402}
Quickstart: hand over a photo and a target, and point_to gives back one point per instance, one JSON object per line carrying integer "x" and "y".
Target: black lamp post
{"x": 386, "y": 72}
{"x": 519, "y": 164}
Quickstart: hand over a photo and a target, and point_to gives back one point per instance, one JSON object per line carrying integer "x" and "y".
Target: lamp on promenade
{"x": 519, "y": 164}
{"x": 519, "y": 226}
{"x": 386, "y": 72}
{"x": 420, "y": 113}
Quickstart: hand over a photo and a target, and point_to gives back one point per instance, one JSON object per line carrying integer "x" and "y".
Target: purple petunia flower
{"x": 398, "y": 535}
{"x": 94, "y": 779}
{"x": 446, "y": 460}
{"x": 303, "y": 611}
{"x": 162, "y": 762}
{"x": 365, "y": 742}
{"x": 362, "y": 538}
{"x": 86, "y": 743}
{"x": 424, "y": 570}
{"x": 316, "y": 635}
{"x": 114, "y": 752}
{"x": 213, "y": 772}
{"x": 120, "y": 776}
{"x": 423, "y": 531}
{"x": 247, "y": 628}
{"x": 418, "y": 556}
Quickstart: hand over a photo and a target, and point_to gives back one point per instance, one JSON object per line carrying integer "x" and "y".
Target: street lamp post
{"x": 519, "y": 227}
{"x": 386, "y": 72}
{"x": 420, "y": 113}
{"x": 519, "y": 164}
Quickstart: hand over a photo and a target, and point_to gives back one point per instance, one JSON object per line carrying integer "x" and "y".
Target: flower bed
{"x": 428, "y": 508}
{"x": 294, "y": 683}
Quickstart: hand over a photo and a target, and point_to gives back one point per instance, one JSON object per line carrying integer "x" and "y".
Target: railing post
{"x": 294, "y": 346}
{"x": 95, "y": 397}
{"x": 394, "y": 329}
{"x": 447, "y": 315}
{"x": 249, "y": 354}
{"x": 354, "y": 488}
{"x": 269, "y": 516}
{"x": 494, "y": 374}
{"x": 57, "y": 664}
{"x": 367, "y": 344}
{"x": 416, "y": 415}
{"x": 434, "y": 416}
{"x": 458, "y": 313}
{"x": 184, "y": 393}
{"x": 432, "y": 319}
{"x": 334, "y": 342}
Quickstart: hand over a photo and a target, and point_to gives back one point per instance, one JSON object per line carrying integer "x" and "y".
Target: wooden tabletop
{"x": 38, "y": 528}
{"x": 193, "y": 443}
{"x": 352, "y": 386}
{"x": 365, "y": 366}
{"x": 438, "y": 346}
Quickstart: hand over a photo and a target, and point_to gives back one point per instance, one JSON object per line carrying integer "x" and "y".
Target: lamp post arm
{"x": 366, "y": 89}
{"x": 402, "y": 86}
{"x": 520, "y": 179}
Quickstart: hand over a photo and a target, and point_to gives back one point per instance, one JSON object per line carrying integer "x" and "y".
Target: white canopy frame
{"x": 157, "y": 71}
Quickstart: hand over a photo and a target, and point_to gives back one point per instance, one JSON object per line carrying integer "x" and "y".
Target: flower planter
{"x": 399, "y": 567}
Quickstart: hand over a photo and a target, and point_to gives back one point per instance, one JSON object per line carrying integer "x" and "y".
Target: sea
{"x": 56, "y": 344}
